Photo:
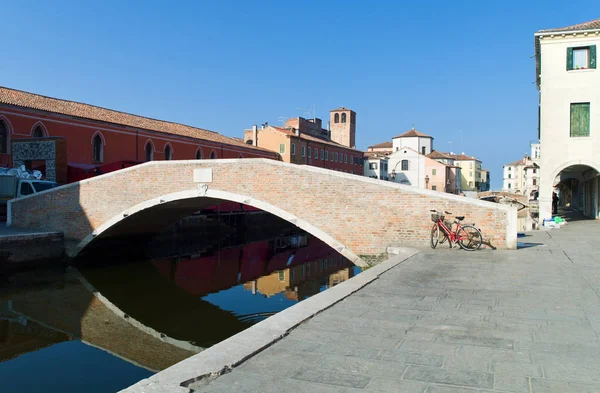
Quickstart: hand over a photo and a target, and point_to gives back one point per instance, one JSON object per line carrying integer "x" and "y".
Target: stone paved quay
{"x": 449, "y": 321}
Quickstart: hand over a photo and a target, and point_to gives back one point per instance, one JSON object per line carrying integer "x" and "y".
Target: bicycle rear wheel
{"x": 469, "y": 238}
{"x": 435, "y": 235}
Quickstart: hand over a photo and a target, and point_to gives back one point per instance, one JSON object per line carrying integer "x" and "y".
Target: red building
{"x": 99, "y": 138}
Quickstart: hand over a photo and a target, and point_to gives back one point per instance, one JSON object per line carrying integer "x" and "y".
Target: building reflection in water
{"x": 202, "y": 281}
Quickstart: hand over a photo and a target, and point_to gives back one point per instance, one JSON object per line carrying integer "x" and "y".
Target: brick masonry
{"x": 364, "y": 215}
{"x": 24, "y": 250}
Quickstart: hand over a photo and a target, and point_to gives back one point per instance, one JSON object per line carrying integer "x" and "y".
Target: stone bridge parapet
{"x": 358, "y": 216}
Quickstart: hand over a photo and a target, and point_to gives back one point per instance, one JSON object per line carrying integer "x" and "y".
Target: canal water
{"x": 132, "y": 307}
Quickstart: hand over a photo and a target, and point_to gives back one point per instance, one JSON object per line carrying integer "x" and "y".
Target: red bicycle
{"x": 467, "y": 236}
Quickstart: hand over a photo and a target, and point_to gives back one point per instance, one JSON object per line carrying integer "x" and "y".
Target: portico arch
{"x": 190, "y": 195}
{"x": 577, "y": 183}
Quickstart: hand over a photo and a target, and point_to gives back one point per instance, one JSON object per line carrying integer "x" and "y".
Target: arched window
{"x": 404, "y": 165}
{"x": 343, "y": 117}
{"x": 168, "y": 152}
{"x": 149, "y": 151}
{"x": 38, "y": 132}
{"x": 213, "y": 155}
{"x": 3, "y": 138}
{"x": 98, "y": 149}
{"x": 336, "y": 118}
{"x": 199, "y": 154}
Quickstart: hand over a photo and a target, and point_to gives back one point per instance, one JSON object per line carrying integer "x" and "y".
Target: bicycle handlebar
{"x": 435, "y": 211}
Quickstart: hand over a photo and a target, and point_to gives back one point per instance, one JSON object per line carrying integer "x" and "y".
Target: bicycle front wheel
{"x": 435, "y": 235}
{"x": 469, "y": 238}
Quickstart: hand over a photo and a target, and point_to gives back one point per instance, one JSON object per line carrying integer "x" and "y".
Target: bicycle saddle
{"x": 460, "y": 218}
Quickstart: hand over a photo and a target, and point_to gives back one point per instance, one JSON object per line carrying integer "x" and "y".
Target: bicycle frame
{"x": 452, "y": 236}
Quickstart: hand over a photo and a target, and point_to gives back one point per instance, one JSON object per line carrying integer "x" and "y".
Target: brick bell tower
{"x": 342, "y": 123}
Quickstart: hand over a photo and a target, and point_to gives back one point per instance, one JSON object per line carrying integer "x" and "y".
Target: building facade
{"x": 470, "y": 170}
{"x": 305, "y": 142}
{"x": 569, "y": 117}
{"x": 383, "y": 148}
{"x": 515, "y": 179}
{"x": 375, "y": 165}
{"x": 414, "y": 140}
{"x": 96, "y": 137}
{"x": 453, "y": 172}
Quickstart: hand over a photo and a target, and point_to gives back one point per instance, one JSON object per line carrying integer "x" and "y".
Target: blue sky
{"x": 225, "y": 65}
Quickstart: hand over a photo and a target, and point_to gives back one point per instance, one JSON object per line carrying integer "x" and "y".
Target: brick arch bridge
{"x": 358, "y": 216}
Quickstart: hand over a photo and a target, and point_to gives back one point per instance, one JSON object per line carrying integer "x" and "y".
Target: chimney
{"x": 254, "y": 135}
{"x": 297, "y": 131}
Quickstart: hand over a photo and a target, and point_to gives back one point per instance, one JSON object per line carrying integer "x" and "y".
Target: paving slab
{"x": 449, "y": 321}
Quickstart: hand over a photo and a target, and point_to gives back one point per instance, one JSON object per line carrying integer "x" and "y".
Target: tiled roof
{"x": 308, "y": 137}
{"x": 341, "y": 108}
{"x": 86, "y": 111}
{"x": 382, "y": 145}
{"x": 591, "y": 25}
{"x": 375, "y": 154}
{"x": 437, "y": 155}
{"x": 461, "y": 157}
{"x": 522, "y": 161}
{"x": 413, "y": 132}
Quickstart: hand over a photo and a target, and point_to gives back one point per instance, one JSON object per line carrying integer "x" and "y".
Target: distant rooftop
{"x": 413, "y": 133}
{"x": 80, "y": 110}
{"x": 591, "y": 25}
{"x": 382, "y": 145}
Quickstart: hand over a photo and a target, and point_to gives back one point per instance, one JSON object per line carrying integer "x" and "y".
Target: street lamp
{"x": 426, "y": 181}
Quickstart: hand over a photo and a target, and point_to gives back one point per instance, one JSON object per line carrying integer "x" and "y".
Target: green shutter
{"x": 592, "y": 56}
{"x": 569, "y": 59}
{"x": 580, "y": 119}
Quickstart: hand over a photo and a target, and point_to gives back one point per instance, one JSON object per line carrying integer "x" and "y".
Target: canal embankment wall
{"x": 20, "y": 249}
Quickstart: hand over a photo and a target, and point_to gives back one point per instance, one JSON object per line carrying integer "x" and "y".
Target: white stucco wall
{"x": 415, "y": 175}
{"x": 381, "y": 170}
{"x": 414, "y": 142}
{"x": 559, "y": 88}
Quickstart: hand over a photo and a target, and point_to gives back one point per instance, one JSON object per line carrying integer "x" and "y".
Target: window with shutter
{"x": 569, "y": 61}
{"x": 581, "y": 58}
{"x": 580, "y": 119}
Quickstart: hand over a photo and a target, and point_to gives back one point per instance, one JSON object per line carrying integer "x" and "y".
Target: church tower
{"x": 342, "y": 123}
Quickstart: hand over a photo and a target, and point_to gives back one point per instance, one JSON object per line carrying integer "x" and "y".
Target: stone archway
{"x": 578, "y": 188}
{"x": 213, "y": 195}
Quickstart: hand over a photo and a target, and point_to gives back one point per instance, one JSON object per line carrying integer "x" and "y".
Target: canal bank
{"x": 22, "y": 248}
{"x": 443, "y": 321}
{"x": 201, "y": 369}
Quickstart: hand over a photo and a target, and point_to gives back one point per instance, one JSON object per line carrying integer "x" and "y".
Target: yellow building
{"x": 470, "y": 169}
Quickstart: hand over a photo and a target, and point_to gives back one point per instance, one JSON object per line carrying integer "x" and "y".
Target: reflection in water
{"x": 201, "y": 281}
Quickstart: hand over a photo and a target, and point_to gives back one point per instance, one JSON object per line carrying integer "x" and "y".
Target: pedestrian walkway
{"x": 450, "y": 321}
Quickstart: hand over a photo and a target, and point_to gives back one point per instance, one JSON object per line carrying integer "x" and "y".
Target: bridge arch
{"x": 223, "y": 196}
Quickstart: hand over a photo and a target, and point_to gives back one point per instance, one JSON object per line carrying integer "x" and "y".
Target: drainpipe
{"x": 137, "y": 133}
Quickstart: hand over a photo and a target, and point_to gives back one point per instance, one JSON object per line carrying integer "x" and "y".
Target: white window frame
{"x": 293, "y": 149}
{"x": 303, "y": 151}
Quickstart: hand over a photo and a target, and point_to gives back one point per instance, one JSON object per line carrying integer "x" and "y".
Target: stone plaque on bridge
{"x": 203, "y": 175}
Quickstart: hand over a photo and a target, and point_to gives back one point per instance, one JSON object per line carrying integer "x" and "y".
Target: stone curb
{"x": 222, "y": 357}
